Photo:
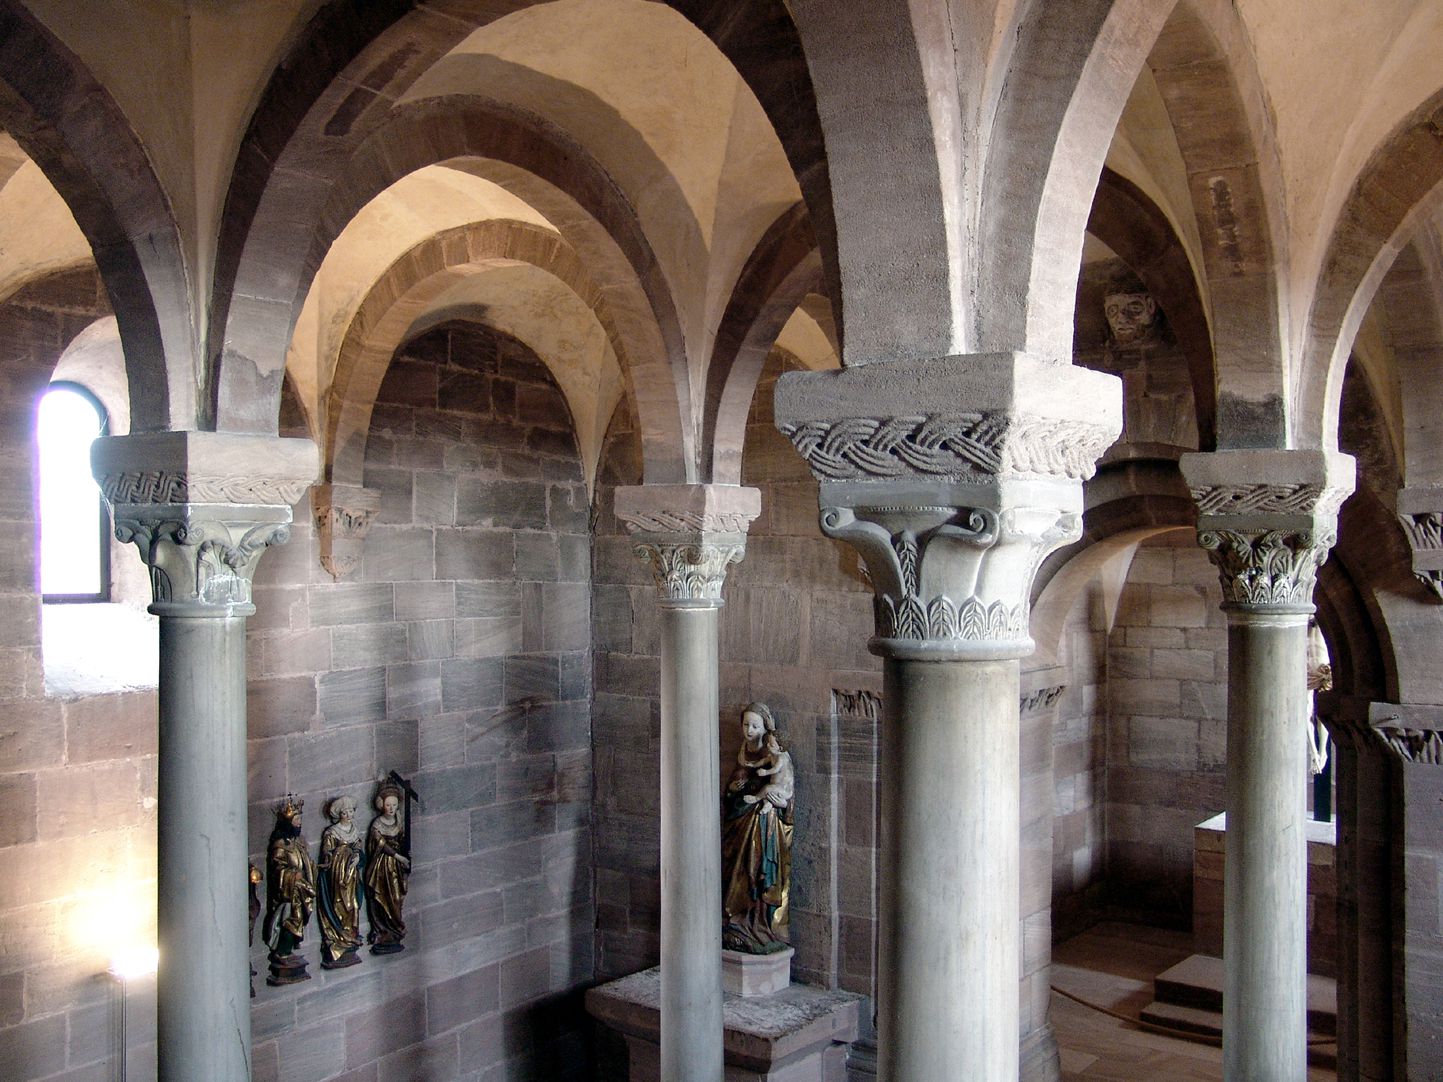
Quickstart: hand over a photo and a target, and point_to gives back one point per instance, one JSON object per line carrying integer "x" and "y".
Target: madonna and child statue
{"x": 757, "y": 839}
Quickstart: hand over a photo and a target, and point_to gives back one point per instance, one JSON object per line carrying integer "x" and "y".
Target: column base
{"x": 799, "y": 1032}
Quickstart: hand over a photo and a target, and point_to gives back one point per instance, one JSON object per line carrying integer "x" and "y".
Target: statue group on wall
{"x": 757, "y": 839}
{"x": 353, "y": 872}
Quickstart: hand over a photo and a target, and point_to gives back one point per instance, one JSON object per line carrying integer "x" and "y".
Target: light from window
{"x": 73, "y": 545}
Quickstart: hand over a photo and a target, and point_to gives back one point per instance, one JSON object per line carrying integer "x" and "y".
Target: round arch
{"x": 75, "y": 132}
{"x": 543, "y": 167}
{"x": 404, "y": 293}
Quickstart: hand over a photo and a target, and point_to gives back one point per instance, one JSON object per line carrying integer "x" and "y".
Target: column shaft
{"x": 1265, "y": 885}
{"x": 947, "y": 1002}
{"x": 691, "y": 988}
{"x": 203, "y": 998}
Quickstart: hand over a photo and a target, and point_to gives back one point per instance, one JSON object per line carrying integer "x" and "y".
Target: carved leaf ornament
{"x": 1267, "y": 567}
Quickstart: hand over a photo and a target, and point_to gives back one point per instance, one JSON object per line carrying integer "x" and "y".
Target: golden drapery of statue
{"x": 338, "y": 908}
{"x": 290, "y": 895}
{"x": 388, "y": 868}
{"x": 757, "y": 839}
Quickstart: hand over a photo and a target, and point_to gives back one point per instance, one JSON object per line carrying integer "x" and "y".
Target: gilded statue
{"x": 338, "y": 887}
{"x": 388, "y": 866}
{"x": 290, "y": 895}
{"x": 757, "y": 839}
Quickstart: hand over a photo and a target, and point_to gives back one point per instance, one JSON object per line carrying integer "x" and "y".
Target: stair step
{"x": 1210, "y": 1023}
{"x": 1197, "y": 981}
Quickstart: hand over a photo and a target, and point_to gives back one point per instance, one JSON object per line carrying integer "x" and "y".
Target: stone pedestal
{"x": 748, "y": 975}
{"x": 798, "y": 1034}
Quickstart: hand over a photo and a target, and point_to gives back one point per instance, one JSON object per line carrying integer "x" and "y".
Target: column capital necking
{"x": 1267, "y": 520}
{"x": 952, "y": 510}
{"x": 202, "y": 507}
{"x": 689, "y": 535}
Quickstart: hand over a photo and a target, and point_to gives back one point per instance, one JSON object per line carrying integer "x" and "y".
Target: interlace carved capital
{"x": 952, "y": 575}
{"x": 202, "y": 557}
{"x": 343, "y": 517}
{"x": 689, "y": 535}
{"x": 202, "y": 507}
{"x": 1267, "y": 520}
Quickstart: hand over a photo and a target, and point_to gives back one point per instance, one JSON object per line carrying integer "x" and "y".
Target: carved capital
{"x": 690, "y": 574}
{"x": 202, "y": 507}
{"x": 689, "y": 535}
{"x": 1006, "y": 415}
{"x": 1267, "y": 568}
{"x": 1267, "y": 520}
{"x": 952, "y": 565}
{"x": 343, "y": 517}
{"x": 1420, "y": 512}
{"x": 1415, "y": 746}
{"x": 201, "y": 556}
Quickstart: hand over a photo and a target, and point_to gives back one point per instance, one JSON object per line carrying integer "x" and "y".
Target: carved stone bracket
{"x": 202, "y": 507}
{"x": 1267, "y": 520}
{"x": 952, "y": 511}
{"x": 1399, "y": 732}
{"x": 343, "y": 517}
{"x": 689, "y": 535}
{"x": 1042, "y": 699}
{"x": 1420, "y": 511}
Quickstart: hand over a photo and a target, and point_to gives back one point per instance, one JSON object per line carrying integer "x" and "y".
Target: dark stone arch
{"x": 783, "y": 269}
{"x": 1402, "y": 180}
{"x": 1203, "y": 64}
{"x": 76, "y": 133}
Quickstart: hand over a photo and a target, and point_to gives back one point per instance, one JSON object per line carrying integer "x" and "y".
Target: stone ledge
{"x": 763, "y": 1033}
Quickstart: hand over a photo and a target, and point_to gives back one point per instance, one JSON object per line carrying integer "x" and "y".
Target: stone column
{"x": 690, "y": 535}
{"x": 1267, "y": 520}
{"x": 202, "y": 508}
{"x": 952, "y": 513}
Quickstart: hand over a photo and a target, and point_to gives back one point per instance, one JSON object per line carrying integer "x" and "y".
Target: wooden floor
{"x": 1113, "y": 965}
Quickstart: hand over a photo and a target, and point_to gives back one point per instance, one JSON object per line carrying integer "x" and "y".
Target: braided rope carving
{"x": 948, "y": 445}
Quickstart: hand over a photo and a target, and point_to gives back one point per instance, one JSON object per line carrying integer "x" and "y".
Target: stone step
{"x": 1210, "y": 1023}
{"x": 1197, "y": 981}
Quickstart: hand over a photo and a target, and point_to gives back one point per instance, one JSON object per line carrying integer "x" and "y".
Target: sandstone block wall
{"x": 1167, "y": 726}
{"x": 458, "y": 656}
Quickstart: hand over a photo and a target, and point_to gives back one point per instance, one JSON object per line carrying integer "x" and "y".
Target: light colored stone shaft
{"x": 1265, "y": 889}
{"x": 949, "y": 872}
{"x": 203, "y": 996}
{"x": 691, "y": 983}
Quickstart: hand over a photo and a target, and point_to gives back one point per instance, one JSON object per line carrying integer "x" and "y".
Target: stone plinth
{"x": 1207, "y": 892}
{"x": 799, "y": 1034}
{"x": 749, "y": 975}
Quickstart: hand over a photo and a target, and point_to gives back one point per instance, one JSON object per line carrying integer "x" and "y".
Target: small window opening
{"x": 74, "y": 522}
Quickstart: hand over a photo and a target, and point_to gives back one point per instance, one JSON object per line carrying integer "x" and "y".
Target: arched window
{"x": 74, "y": 524}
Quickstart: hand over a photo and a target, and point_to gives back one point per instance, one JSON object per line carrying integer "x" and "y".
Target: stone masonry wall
{"x": 77, "y": 775}
{"x": 1167, "y": 730}
{"x": 1080, "y": 771}
{"x": 460, "y": 657}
